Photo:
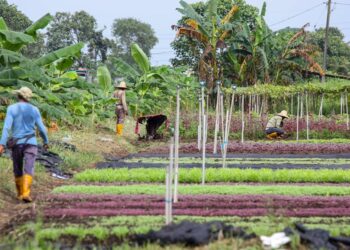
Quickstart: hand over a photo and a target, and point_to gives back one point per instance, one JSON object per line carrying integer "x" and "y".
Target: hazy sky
{"x": 161, "y": 14}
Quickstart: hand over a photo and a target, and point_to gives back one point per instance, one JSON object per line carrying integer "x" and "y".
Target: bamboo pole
{"x": 242, "y": 135}
{"x": 347, "y": 110}
{"x": 291, "y": 104}
{"x": 298, "y": 109}
{"x": 217, "y": 114}
{"x": 176, "y": 151}
{"x": 203, "y": 151}
{"x": 320, "y": 112}
{"x": 222, "y": 111}
{"x": 301, "y": 106}
{"x": 199, "y": 132}
{"x": 307, "y": 116}
{"x": 341, "y": 104}
{"x": 169, "y": 180}
{"x": 204, "y": 138}
{"x": 228, "y": 127}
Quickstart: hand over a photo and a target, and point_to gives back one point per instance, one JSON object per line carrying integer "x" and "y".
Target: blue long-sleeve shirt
{"x": 21, "y": 120}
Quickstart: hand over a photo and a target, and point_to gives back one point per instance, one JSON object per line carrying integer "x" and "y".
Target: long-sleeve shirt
{"x": 121, "y": 98}
{"x": 21, "y": 120}
{"x": 275, "y": 122}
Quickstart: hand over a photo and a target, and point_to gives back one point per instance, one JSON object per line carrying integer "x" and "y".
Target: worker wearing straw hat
{"x": 275, "y": 124}
{"x": 21, "y": 121}
{"x": 121, "y": 109}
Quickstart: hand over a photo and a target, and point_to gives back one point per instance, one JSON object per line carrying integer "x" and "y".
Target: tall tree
{"x": 67, "y": 29}
{"x": 338, "y": 50}
{"x": 128, "y": 31}
{"x": 14, "y": 18}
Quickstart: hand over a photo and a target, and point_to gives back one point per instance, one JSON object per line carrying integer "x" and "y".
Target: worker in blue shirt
{"x": 21, "y": 121}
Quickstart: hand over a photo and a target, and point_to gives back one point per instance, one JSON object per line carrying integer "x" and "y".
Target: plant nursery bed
{"x": 267, "y": 148}
{"x": 199, "y": 205}
{"x": 130, "y": 165}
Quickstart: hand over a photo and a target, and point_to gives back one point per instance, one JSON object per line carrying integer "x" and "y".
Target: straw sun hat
{"x": 25, "y": 92}
{"x": 121, "y": 85}
{"x": 284, "y": 113}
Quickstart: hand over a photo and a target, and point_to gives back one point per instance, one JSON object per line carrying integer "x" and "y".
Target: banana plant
{"x": 250, "y": 51}
{"x": 145, "y": 82}
{"x": 211, "y": 31}
{"x": 295, "y": 56}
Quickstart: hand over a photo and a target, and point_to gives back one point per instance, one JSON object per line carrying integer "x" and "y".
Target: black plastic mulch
{"x": 192, "y": 234}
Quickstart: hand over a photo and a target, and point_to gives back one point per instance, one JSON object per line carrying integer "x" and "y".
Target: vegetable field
{"x": 234, "y": 78}
{"x": 116, "y": 201}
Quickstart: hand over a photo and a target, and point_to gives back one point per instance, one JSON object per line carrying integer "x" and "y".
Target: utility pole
{"x": 326, "y": 40}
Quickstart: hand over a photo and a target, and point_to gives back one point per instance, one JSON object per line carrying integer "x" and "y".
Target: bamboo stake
{"x": 225, "y": 142}
{"x": 199, "y": 132}
{"x": 217, "y": 113}
{"x": 204, "y": 138}
{"x": 320, "y": 113}
{"x": 262, "y": 106}
{"x": 228, "y": 127}
{"x": 347, "y": 110}
{"x": 301, "y": 106}
{"x": 341, "y": 103}
{"x": 203, "y": 151}
{"x": 250, "y": 105}
{"x": 307, "y": 116}
{"x": 242, "y": 135}
{"x": 169, "y": 179}
{"x": 222, "y": 110}
{"x": 176, "y": 151}
{"x": 298, "y": 116}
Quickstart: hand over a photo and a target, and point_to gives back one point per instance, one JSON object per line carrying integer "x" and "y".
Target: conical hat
{"x": 284, "y": 113}
{"x": 25, "y": 93}
{"x": 121, "y": 85}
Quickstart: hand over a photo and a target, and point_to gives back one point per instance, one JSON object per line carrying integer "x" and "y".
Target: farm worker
{"x": 21, "y": 121}
{"x": 275, "y": 124}
{"x": 121, "y": 109}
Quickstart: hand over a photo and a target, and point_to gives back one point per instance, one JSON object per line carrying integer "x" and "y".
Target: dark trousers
{"x": 120, "y": 112}
{"x": 274, "y": 130}
{"x": 23, "y": 157}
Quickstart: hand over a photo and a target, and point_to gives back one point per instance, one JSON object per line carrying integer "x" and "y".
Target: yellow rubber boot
{"x": 26, "y": 185}
{"x": 120, "y": 129}
{"x": 272, "y": 136}
{"x": 18, "y": 181}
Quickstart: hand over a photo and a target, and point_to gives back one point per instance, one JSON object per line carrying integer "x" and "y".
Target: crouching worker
{"x": 21, "y": 121}
{"x": 274, "y": 126}
{"x": 121, "y": 109}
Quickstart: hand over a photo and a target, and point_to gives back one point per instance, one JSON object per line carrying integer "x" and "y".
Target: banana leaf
{"x": 72, "y": 75}
{"x": 40, "y": 24}
{"x": 73, "y": 50}
{"x": 13, "y": 40}
{"x": 104, "y": 78}
{"x": 10, "y": 58}
{"x": 140, "y": 58}
{"x": 8, "y": 82}
{"x": 126, "y": 69}
{"x": 3, "y": 25}
{"x": 64, "y": 63}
